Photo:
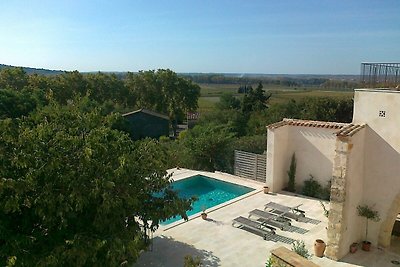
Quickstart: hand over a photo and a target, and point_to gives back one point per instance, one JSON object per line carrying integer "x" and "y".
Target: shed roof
{"x": 147, "y": 112}
{"x": 344, "y": 129}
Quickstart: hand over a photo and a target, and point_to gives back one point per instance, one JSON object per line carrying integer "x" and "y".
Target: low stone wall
{"x": 283, "y": 257}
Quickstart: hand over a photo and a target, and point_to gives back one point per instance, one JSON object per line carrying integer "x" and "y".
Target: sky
{"x": 207, "y": 36}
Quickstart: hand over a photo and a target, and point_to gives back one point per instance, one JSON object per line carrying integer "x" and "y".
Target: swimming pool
{"x": 209, "y": 191}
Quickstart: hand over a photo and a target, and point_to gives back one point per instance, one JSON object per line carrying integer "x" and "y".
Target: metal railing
{"x": 380, "y": 75}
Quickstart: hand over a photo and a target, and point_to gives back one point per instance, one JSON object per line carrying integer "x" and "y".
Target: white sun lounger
{"x": 254, "y": 225}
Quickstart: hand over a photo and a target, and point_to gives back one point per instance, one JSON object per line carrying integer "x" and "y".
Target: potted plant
{"x": 369, "y": 214}
{"x": 203, "y": 213}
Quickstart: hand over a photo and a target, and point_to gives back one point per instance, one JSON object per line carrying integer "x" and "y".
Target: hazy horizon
{"x": 198, "y": 73}
{"x": 253, "y": 37}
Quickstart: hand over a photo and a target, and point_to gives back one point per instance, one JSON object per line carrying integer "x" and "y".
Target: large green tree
{"x": 232, "y": 119}
{"x": 68, "y": 85}
{"x": 108, "y": 87}
{"x": 228, "y": 101}
{"x": 208, "y": 147}
{"x": 255, "y": 99}
{"x": 76, "y": 192}
{"x": 311, "y": 108}
{"x": 327, "y": 109}
{"x": 14, "y": 104}
{"x": 165, "y": 92}
{"x": 13, "y": 78}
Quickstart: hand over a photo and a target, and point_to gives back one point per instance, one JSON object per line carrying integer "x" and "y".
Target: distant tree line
{"x": 244, "y": 81}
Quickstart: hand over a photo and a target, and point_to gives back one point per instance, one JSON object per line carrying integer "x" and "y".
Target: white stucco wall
{"x": 367, "y": 105}
{"x": 314, "y": 148}
{"x": 382, "y": 177}
{"x": 277, "y": 158}
{"x": 354, "y": 230}
{"x": 382, "y": 151}
{"x": 315, "y": 151}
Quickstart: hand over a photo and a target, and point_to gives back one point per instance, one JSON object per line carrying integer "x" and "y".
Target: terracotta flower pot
{"x": 319, "y": 248}
{"x": 353, "y": 247}
{"x": 366, "y": 246}
{"x": 266, "y": 189}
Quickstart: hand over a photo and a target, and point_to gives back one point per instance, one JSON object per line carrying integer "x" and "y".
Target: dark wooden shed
{"x": 144, "y": 123}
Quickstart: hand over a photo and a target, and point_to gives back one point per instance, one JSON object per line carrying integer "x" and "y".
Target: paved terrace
{"x": 218, "y": 243}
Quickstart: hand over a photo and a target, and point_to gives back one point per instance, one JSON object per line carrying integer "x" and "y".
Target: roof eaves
{"x": 277, "y": 124}
{"x": 308, "y": 123}
{"x": 155, "y": 113}
{"x": 350, "y": 130}
{"x": 147, "y": 112}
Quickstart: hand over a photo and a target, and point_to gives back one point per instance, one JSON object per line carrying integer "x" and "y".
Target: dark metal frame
{"x": 383, "y": 75}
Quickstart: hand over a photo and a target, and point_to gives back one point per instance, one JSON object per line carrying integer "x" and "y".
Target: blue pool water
{"x": 210, "y": 192}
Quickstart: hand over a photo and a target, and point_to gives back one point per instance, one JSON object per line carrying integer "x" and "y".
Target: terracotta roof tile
{"x": 308, "y": 123}
{"x": 350, "y": 130}
{"x": 344, "y": 129}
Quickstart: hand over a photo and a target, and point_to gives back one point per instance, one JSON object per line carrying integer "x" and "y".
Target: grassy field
{"x": 218, "y": 89}
{"x": 207, "y": 103}
{"x": 284, "y": 96}
{"x": 210, "y": 94}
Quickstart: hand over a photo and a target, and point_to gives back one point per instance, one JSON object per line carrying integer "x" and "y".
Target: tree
{"x": 165, "y": 92}
{"x": 327, "y": 109}
{"x": 369, "y": 214}
{"x": 208, "y": 146}
{"x": 75, "y": 192}
{"x": 13, "y": 78}
{"x": 292, "y": 174}
{"x": 68, "y": 85}
{"x": 233, "y": 120}
{"x": 14, "y": 104}
{"x": 244, "y": 89}
{"x": 228, "y": 101}
{"x": 311, "y": 108}
{"x": 39, "y": 82}
{"x": 108, "y": 87}
{"x": 255, "y": 100}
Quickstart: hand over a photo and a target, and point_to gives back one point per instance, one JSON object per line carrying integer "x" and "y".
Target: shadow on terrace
{"x": 177, "y": 251}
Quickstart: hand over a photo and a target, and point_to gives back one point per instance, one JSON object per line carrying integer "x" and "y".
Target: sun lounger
{"x": 271, "y": 219}
{"x": 289, "y": 212}
{"x": 254, "y": 225}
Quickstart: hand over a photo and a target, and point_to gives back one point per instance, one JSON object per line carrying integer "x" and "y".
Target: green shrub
{"x": 325, "y": 193}
{"x": 253, "y": 144}
{"x": 311, "y": 187}
{"x": 192, "y": 262}
{"x": 269, "y": 263}
{"x": 300, "y": 248}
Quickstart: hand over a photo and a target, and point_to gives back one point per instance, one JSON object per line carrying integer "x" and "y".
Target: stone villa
{"x": 362, "y": 160}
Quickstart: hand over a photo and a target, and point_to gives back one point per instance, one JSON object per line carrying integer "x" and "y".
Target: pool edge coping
{"x": 220, "y": 206}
